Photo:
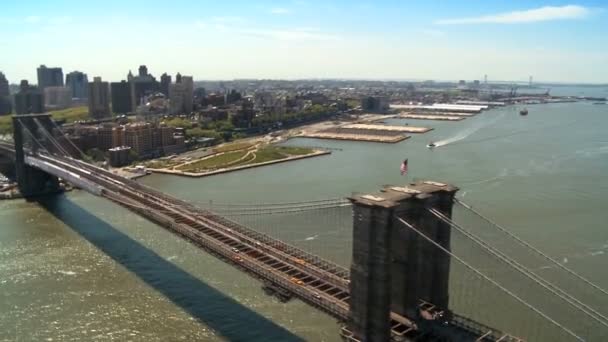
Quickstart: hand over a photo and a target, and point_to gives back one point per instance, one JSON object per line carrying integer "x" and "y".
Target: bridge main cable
{"x": 532, "y": 248}
{"x": 490, "y": 280}
{"x": 554, "y": 289}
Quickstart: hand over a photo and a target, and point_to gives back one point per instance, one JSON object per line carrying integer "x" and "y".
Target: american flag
{"x": 404, "y": 168}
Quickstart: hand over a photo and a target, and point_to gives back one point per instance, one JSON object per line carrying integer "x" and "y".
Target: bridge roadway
{"x": 284, "y": 269}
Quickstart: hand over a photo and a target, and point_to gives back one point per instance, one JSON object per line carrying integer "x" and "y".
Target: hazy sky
{"x": 507, "y": 40}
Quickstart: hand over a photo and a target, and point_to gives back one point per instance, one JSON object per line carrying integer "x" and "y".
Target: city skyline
{"x": 556, "y": 42}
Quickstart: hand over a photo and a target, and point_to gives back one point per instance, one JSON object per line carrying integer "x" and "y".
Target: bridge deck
{"x": 284, "y": 269}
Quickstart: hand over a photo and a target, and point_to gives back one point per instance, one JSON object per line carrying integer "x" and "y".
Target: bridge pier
{"x": 32, "y": 182}
{"x": 393, "y": 269}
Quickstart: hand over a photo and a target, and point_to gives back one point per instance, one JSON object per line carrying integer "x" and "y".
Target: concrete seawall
{"x": 238, "y": 168}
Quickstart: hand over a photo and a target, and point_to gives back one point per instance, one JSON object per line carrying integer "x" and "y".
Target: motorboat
{"x": 431, "y": 145}
{"x": 523, "y": 111}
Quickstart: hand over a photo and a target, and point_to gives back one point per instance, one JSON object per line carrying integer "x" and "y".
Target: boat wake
{"x": 467, "y": 132}
{"x": 310, "y": 238}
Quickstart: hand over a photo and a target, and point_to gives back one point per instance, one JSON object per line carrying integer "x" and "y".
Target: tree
{"x": 96, "y": 155}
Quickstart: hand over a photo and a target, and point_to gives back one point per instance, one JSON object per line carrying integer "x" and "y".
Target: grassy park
{"x": 236, "y": 154}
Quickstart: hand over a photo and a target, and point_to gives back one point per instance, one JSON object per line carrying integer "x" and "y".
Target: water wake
{"x": 511, "y": 133}
{"x": 310, "y": 238}
{"x": 467, "y": 132}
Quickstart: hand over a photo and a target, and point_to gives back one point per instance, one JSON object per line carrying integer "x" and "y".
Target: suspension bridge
{"x": 424, "y": 266}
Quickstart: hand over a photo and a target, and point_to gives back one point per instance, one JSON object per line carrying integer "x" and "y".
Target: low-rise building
{"x": 378, "y": 104}
{"x": 120, "y": 156}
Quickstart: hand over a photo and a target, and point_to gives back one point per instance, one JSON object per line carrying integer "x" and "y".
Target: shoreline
{"x": 237, "y": 168}
{"x": 357, "y": 137}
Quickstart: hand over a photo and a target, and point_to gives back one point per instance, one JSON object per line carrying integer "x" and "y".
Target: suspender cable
{"x": 51, "y": 138}
{"x": 490, "y": 280}
{"x": 68, "y": 139}
{"x": 534, "y": 249}
{"x": 554, "y": 289}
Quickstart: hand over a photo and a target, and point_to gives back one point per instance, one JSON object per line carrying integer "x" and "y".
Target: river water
{"x": 77, "y": 268}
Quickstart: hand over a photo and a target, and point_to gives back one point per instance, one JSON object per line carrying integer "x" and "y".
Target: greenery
{"x": 216, "y": 162}
{"x": 198, "y": 132}
{"x": 233, "y": 147}
{"x": 95, "y": 154}
{"x": 311, "y": 113}
{"x": 6, "y": 125}
{"x": 68, "y": 115}
{"x": 179, "y": 122}
{"x": 162, "y": 163}
{"x": 71, "y": 114}
{"x": 270, "y": 153}
{"x": 232, "y": 153}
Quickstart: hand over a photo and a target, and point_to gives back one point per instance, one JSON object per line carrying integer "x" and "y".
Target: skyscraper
{"x": 165, "y": 81}
{"x": 180, "y": 94}
{"x": 49, "y": 77}
{"x": 99, "y": 99}
{"x": 29, "y": 99}
{"x": 4, "y": 90}
{"x": 143, "y": 71}
{"x": 78, "y": 82}
{"x": 5, "y": 102}
{"x": 121, "y": 97}
{"x": 141, "y": 85}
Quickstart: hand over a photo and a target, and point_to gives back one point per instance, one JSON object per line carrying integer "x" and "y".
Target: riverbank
{"x": 231, "y": 157}
{"x": 238, "y": 168}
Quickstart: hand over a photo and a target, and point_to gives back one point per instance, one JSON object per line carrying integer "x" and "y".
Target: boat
{"x": 431, "y": 145}
{"x": 599, "y": 103}
{"x": 523, "y": 111}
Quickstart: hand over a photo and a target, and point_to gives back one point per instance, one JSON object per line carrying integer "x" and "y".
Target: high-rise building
{"x": 29, "y": 99}
{"x": 57, "y": 97}
{"x": 180, "y": 94}
{"x": 4, "y": 89}
{"x": 78, "y": 82}
{"x": 49, "y": 77}
{"x": 143, "y": 71}
{"x": 141, "y": 85}
{"x": 165, "y": 81}
{"x": 5, "y": 102}
{"x": 121, "y": 97}
{"x": 99, "y": 99}
{"x": 6, "y": 107}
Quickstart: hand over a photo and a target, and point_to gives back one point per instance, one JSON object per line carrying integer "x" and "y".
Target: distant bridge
{"x": 397, "y": 287}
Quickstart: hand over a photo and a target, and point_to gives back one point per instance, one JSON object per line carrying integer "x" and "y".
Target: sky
{"x": 557, "y": 41}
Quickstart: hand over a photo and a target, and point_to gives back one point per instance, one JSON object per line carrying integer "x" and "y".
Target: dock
{"x": 442, "y": 107}
{"x": 355, "y": 134}
{"x": 424, "y": 112}
{"x": 389, "y": 128}
{"x": 431, "y": 117}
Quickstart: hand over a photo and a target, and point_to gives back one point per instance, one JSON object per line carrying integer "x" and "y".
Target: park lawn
{"x": 249, "y": 160}
{"x": 270, "y": 153}
{"x": 162, "y": 164}
{"x": 6, "y": 125}
{"x": 212, "y": 163}
{"x": 72, "y": 114}
{"x": 233, "y": 147}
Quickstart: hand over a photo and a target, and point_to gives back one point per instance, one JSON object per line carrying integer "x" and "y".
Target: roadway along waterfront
{"x": 79, "y": 267}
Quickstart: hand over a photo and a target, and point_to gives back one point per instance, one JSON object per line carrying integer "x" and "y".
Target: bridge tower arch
{"x": 32, "y": 182}
{"x": 393, "y": 269}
